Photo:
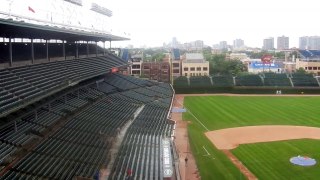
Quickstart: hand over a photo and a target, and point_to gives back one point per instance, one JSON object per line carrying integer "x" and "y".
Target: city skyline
{"x": 152, "y": 23}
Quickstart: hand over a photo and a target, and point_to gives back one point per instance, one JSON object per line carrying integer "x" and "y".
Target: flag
{"x": 30, "y": 9}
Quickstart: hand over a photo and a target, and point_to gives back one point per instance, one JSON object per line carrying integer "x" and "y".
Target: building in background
{"x": 194, "y": 64}
{"x": 223, "y": 45}
{"x": 159, "y": 71}
{"x": 259, "y": 67}
{"x": 303, "y": 42}
{"x": 239, "y": 56}
{"x": 174, "y": 42}
{"x": 135, "y": 63}
{"x": 282, "y": 43}
{"x": 309, "y": 60}
{"x": 238, "y": 44}
{"x": 268, "y": 44}
{"x": 309, "y": 42}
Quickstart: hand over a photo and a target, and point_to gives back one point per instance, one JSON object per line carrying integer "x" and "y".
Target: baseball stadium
{"x": 69, "y": 109}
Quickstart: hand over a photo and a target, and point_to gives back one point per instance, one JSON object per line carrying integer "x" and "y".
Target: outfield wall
{"x": 247, "y": 90}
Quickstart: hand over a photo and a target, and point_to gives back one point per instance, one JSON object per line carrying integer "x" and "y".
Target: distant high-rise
{"x": 223, "y": 45}
{"x": 303, "y": 42}
{"x": 282, "y": 42}
{"x": 268, "y": 44}
{"x": 309, "y": 42}
{"x": 174, "y": 42}
{"x": 238, "y": 43}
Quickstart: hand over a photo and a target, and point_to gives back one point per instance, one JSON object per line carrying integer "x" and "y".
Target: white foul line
{"x": 208, "y": 154}
{"x": 194, "y": 117}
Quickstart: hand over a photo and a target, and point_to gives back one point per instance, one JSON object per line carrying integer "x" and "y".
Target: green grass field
{"x": 271, "y": 160}
{"x": 218, "y": 112}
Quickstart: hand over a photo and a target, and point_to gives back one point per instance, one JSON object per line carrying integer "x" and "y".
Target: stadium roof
{"x": 309, "y": 54}
{"x": 20, "y": 29}
{"x": 194, "y": 58}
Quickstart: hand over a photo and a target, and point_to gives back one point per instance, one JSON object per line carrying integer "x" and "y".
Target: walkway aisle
{"x": 188, "y": 170}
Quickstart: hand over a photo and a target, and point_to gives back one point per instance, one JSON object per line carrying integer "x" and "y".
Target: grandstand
{"x": 64, "y": 113}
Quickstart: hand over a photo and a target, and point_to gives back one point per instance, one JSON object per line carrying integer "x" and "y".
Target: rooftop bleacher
{"x": 309, "y": 54}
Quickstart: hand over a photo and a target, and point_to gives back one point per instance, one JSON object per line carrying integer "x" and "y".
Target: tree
{"x": 158, "y": 57}
{"x": 219, "y": 66}
{"x": 302, "y": 71}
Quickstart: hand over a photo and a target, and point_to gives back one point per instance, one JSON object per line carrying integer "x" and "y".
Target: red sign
{"x": 114, "y": 70}
{"x": 266, "y": 59}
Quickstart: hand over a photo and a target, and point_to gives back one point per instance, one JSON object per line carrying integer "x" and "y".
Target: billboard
{"x": 266, "y": 59}
{"x": 261, "y": 65}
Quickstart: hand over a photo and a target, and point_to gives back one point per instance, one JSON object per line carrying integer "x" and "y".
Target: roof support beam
{"x": 104, "y": 47}
{"x": 87, "y": 48}
{"x": 64, "y": 50}
{"x": 10, "y": 52}
{"x": 32, "y": 52}
{"x": 96, "y": 49}
{"x": 77, "y": 50}
{"x": 47, "y": 50}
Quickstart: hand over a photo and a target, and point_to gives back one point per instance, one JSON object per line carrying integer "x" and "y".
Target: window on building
{"x": 306, "y": 68}
{"x": 205, "y": 68}
{"x": 185, "y": 69}
{"x": 135, "y": 72}
{"x": 185, "y": 74}
{"x": 198, "y": 68}
{"x": 309, "y": 68}
{"x": 314, "y": 68}
{"x": 175, "y": 64}
{"x": 176, "y": 71}
{"x": 192, "y": 69}
{"x": 146, "y": 67}
{"x": 135, "y": 66}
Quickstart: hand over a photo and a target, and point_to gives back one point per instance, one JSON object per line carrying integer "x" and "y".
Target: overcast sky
{"x": 153, "y": 22}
